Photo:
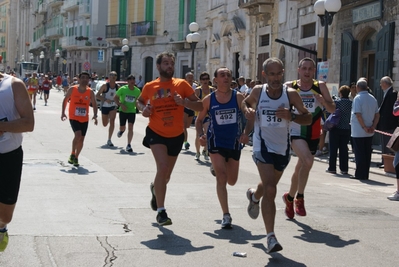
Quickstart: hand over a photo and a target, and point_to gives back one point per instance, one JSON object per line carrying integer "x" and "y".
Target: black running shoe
{"x": 163, "y": 219}
{"x": 153, "y": 202}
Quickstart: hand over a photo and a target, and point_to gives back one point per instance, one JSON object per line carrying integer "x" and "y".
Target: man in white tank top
{"x": 106, "y": 94}
{"x": 268, "y": 106}
{"x": 15, "y": 119}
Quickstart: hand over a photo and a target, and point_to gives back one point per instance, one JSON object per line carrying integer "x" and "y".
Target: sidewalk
{"x": 375, "y": 159}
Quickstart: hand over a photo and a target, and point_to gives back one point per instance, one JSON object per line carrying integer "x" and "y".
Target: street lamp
{"x": 326, "y": 10}
{"x": 31, "y": 57}
{"x": 193, "y": 38}
{"x": 22, "y": 58}
{"x": 125, "y": 50}
{"x": 57, "y": 56}
{"x": 42, "y": 60}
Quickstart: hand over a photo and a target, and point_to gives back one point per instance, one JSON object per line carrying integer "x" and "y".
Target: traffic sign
{"x": 86, "y": 65}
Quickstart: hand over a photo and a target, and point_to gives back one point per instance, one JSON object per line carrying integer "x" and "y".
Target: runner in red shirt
{"x": 59, "y": 82}
{"x": 46, "y": 86}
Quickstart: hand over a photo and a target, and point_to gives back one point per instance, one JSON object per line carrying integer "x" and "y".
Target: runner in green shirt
{"x": 126, "y": 98}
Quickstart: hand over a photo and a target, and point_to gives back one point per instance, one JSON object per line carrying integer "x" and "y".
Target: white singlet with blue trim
{"x": 273, "y": 131}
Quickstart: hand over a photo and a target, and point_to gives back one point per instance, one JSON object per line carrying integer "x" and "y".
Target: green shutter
{"x": 193, "y": 6}
{"x": 149, "y": 10}
{"x": 181, "y": 19}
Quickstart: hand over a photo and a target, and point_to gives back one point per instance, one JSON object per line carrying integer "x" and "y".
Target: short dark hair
{"x": 130, "y": 77}
{"x": 306, "y": 59}
{"x": 204, "y": 74}
{"x": 84, "y": 73}
{"x": 344, "y": 90}
{"x": 162, "y": 55}
{"x": 215, "y": 74}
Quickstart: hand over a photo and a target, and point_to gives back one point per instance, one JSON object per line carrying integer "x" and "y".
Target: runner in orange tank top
{"x": 79, "y": 98}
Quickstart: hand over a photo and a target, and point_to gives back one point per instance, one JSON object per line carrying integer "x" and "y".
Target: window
{"x": 264, "y": 40}
{"x": 309, "y": 30}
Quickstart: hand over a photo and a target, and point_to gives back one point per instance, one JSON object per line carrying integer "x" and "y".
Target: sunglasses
{"x": 204, "y": 79}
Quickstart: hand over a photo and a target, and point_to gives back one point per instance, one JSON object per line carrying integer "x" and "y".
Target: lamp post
{"x": 57, "y": 56}
{"x": 31, "y": 57}
{"x": 193, "y": 38}
{"x": 326, "y": 10}
{"x": 42, "y": 60}
{"x": 125, "y": 50}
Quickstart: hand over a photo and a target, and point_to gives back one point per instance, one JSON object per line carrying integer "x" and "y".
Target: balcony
{"x": 69, "y": 5}
{"x": 55, "y": 32}
{"x": 42, "y": 9}
{"x": 144, "y": 31}
{"x": 54, "y": 3}
{"x": 117, "y": 31}
{"x": 69, "y": 42}
{"x": 84, "y": 9}
{"x": 253, "y": 3}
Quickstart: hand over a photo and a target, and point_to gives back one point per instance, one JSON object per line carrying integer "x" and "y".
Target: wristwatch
{"x": 293, "y": 116}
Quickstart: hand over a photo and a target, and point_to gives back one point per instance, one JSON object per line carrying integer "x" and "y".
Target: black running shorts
{"x": 10, "y": 176}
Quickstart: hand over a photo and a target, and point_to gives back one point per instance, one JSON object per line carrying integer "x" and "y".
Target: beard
{"x": 166, "y": 74}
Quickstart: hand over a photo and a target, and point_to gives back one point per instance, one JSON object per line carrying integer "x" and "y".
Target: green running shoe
{"x": 3, "y": 240}
{"x": 71, "y": 159}
{"x": 75, "y": 162}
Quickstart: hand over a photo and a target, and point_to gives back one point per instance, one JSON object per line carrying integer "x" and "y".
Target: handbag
{"x": 332, "y": 120}
{"x": 393, "y": 143}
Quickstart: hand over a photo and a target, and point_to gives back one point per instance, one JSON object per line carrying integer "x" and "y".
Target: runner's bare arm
{"x": 26, "y": 121}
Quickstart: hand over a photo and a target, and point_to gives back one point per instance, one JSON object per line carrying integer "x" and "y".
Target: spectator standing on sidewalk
{"x": 395, "y": 195}
{"x": 387, "y": 122}
{"x": 340, "y": 135}
{"x": 269, "y": 107}
{"x": 15, "y": 118}
{"x": 163, "y": 101}
{"x": 364, "y": 119}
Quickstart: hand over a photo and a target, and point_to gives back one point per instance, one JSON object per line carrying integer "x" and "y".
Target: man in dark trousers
{"x": 388, "y": 122}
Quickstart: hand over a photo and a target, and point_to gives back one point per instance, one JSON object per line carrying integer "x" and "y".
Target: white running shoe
{"x": 197, "y": 156}
{"x": 109, "y": 143}
{"x": 226, "y": 221}
{"x": 253, "y": 207}
{"x": 205, "y": 154}
{"x": 273, "y": 245}
{"x": 394, "y": 196}
{"x": 129, "y": 148}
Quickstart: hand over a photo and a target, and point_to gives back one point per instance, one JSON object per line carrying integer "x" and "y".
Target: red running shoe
{"x": 300, "y": 207}
{"x": 289, "y": 207}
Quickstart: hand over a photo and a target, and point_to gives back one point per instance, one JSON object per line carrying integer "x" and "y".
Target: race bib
{"x": 226, "y": 116}
{"x": 268, "y": 118}
{"x": 81, "y": 112}
{"x": 309, "y": 103}
{"x": 130, "y": 99}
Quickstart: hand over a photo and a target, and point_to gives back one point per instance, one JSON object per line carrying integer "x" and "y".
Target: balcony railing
{"x": 54, "y": 31}
{"x": 42, "y": 8}
{"x": 252, "y": 3}
{"x": 84, "y": 8}
{"x": 54, "y": 3}
{"x": 143, "y": 28}
{"x": 117, "y": 31}
{"x": 69, "y": 41}
{"x": 69, "y": 5}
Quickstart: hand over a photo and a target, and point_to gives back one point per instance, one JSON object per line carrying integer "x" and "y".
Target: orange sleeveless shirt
{"x": 79, "y": 104}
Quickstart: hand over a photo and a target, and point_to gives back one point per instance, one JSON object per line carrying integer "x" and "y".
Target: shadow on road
{"x": 78, "y": 170}
{"x": 172, "y": 244}
{"x": 315, "y": 236}
{"x": 236, "y": 235}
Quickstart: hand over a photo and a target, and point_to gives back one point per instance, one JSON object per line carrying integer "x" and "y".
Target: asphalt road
{"x": 99, "y": 214}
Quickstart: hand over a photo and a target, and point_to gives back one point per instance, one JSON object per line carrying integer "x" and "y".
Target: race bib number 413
{"x": 226, "y": 116}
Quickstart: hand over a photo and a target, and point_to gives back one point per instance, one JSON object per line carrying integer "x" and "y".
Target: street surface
{"x": 99, "y": 214}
